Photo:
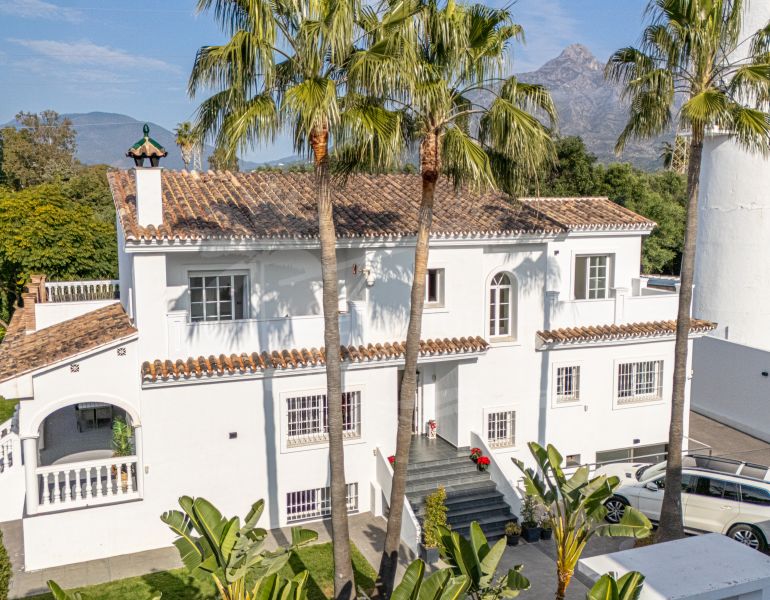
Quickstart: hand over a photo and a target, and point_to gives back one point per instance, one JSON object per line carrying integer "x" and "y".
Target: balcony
{"x": 59, "y": 301}
{"x": 207, "y": 338}
{"x": 640, "y": 304}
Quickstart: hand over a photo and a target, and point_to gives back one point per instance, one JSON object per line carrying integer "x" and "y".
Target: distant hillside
{"x": 590, "y": 107}
{"x": 105, "y": 137}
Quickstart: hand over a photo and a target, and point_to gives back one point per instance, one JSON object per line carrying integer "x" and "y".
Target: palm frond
{"x": 464, "y": 160}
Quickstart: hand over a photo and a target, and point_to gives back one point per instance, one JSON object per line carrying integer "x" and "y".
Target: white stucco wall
{"x": 729, "y": 386}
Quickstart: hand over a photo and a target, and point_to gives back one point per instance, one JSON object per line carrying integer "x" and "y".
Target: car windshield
{"x": 650, "y": 471}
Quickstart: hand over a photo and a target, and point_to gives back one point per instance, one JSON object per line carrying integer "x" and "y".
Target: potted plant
{"x": 435, "y": 517}
{"x": 122, "y": 445}
{"x": 475, "y": 453}
{"x": 432, "y": 429}
{"x": 482, "y": 462}
{"x": 392, "y": 460}
{"x": 546, "y": 529}
{"x": 529, "y": 529}
{"x": 512, "y": 533}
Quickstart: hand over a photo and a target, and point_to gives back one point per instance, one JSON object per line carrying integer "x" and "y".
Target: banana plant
{"x": 210, "y": 544}
{"x": 272, "y": 587}
{"x": 575, "y": 507}
{"x": 475, "y": 559}
{"x": 441, "y": 585}
{"x": 628, "y": 587}
{"x": 60, "y": 594}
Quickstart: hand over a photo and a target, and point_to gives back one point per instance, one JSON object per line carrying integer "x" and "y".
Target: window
{"x": 567, "y": 384}
{"x": 501, "y": 306}
{"x": 217, "y": 297}
{"x": 434, "y": 288}
{"x": 501, "y": 429}
{"x": 713, "y": 488}
{"x": 307, "y": 418}
{"x": 572, "y": 460}
{"x": 640, "y": 381}
{"x": 591, "y": 277}
{"x": 310, "y": 504}
{"x": 653, "y": 453}
{"x": 755, "y": 495}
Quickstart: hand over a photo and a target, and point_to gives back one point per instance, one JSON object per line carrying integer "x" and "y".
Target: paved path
{"x": 726, "y": 441}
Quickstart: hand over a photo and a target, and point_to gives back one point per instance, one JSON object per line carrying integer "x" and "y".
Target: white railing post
{"x": 30, "y": 474}
{"x": 620, "y": 304}
{"x": 139, "y": 451}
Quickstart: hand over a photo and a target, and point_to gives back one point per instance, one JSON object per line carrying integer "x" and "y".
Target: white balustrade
{"x": 88, "y": 483}
{"x": 10, "y": 445}
{"x": 411, "y": 532}
{"x": 79, "y": 291}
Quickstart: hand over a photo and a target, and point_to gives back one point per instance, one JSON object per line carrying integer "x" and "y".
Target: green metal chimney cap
{"x": 146, "y": 148}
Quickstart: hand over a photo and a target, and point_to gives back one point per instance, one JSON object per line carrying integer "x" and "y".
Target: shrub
{"x": 435, "y": 517}
{"x": 512, "y": 528}
{"x": 528, "y": 509}
{"x": 5, "y": 570}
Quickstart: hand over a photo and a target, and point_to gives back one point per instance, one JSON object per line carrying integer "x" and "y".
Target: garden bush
{"x": 5, "y": 570}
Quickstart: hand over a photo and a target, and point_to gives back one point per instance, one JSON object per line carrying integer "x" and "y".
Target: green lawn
{"x": 6, "y": 409}
{"x": 178, "y": 585}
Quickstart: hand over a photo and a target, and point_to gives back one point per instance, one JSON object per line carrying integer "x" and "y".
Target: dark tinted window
{"x": 731, "y": 491}
{"x": 754, "y": 495}
{"x": 705, "y": 486}
{"x": 688, "y": 483}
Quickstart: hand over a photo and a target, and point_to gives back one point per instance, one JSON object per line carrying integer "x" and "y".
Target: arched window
{"x": 501, "y": 306}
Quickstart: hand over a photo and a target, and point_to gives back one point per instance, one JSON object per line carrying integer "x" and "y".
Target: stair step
{"x": 463, "y": 499}
{"x": 492, "y": 527}
{"x": 420, "y": 464}
{"x": 441, "y": 471}
{"x": 450, "y": 483}
{"x": 491, "y": 509}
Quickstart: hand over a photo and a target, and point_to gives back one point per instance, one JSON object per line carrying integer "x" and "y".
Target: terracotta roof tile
{"x": 595, "y": 333}
{"x": 23, "y": 352}
{"x": 267, "y": 205}
{"x": 289, "y": 359}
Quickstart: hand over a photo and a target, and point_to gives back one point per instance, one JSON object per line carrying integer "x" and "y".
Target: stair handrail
{"x": 504, "y": 484}
{"x": 411, "y": 531}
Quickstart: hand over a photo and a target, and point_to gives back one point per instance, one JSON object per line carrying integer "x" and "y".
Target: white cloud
{"x": 87, "y": 54}
{"x": 38, "y": 9}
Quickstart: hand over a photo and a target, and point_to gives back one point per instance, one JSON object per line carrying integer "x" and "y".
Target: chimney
{"x": 149, "y": 196}
{"x": 34, "y": 294}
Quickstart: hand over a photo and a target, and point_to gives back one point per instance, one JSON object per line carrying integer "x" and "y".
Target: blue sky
{"x": 134, "y": 57}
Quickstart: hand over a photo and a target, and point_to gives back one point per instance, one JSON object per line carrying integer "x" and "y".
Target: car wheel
{"x": 615, "y": 506}
{"x": 747, "y": 535}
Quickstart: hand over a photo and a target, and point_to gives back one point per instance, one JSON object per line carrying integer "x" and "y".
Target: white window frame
{"x": 440, "y": 287}
{"x": 319, "y": 434}
{"x": 220, "y": 273}
{"x": 493, "y": 307}
{"x": 316, "y": 503}
{"x": 577, "y": 398}
{"x": 608, "y": 275}
{"x": 509, "y": 442}
{"x": 636, "y": 399}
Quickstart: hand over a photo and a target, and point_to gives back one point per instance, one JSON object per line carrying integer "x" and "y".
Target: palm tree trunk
{"x": 671, "y": 526}
{"x": 430, "y": 165}
{"x": 344, "y": 583}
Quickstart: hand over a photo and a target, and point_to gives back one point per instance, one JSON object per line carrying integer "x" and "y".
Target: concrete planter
{"x": 530, "y": 534}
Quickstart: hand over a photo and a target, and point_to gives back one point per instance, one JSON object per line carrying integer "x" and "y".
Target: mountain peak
{"x": 578, "y": 53}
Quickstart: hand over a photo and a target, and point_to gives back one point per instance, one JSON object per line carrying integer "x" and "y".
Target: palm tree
{"x": 283, "y": 68}
{"x": 186, "y": 141}
{"x": 455, "y": 55}
{"x": 694, "y": 50}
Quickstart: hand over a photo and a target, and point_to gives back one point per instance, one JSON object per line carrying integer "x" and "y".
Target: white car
{"x": 718, "y": 496}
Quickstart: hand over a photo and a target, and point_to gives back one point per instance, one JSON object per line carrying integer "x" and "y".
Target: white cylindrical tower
{"x": 732, "y": 264}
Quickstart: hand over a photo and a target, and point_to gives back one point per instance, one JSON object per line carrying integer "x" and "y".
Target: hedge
{"x": 5, "y": 570}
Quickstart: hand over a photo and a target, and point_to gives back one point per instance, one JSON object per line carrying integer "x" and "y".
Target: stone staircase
{"x": 471, "y": 494}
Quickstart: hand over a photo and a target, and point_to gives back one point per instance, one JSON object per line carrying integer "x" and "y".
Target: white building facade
{"x": 537, "y": 327}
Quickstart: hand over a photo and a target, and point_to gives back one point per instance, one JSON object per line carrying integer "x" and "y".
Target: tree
{"x": 283, "y": 67}
{"x": 54, "y": 229}
{"x": 41, "y": 150}
{"x": 186, "y": 140}
{"x": 221, "y": 160}
{"x": 575, "y": 507}
{"x": 696, "y": 49}
{"x": 451, "y": 53}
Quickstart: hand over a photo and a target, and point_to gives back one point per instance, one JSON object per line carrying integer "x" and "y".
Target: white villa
{"x": 538, "y": 326}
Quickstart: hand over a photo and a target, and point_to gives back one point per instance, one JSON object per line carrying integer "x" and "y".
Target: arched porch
{"x": 84, "y": 453}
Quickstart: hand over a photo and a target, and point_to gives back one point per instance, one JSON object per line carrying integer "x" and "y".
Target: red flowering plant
{"x": 475, "y": 453}
{"x": 482, "y": 462}
{"x": 392, "y": 459}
